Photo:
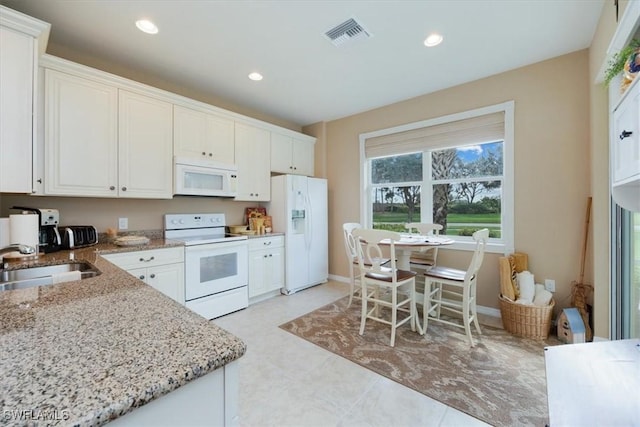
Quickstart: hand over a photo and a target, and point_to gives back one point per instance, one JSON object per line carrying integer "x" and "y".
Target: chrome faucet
{"x": 23, "y": 249}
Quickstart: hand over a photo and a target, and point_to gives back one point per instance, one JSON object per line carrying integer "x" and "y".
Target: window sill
{"x": 495, "y": 248}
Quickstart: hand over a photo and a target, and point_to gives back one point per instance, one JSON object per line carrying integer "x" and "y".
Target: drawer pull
{"x": 147, "y": 260}
{"x": 267, "y": 243}
{"x": 625, "y": 134}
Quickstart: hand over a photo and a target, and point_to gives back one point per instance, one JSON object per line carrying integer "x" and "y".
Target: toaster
{"x": 78, "y": 236}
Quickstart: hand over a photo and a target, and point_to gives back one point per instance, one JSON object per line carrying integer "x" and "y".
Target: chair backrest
{"x": 350, "y": 244}
{"x": 371, "y": 255}
{"x": 423, "y": 228}
{"x": 429, "y": 256}
{"x": 481, "y": 237}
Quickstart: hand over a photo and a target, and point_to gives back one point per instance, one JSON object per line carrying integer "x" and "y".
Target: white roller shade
{"x": 485, "y": 128}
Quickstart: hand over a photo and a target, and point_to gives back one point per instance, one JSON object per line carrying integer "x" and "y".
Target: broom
{"x": 580, "y": 290}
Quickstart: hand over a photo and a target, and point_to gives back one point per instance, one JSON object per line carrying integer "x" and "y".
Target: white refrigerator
{"x": 298, "y": 208}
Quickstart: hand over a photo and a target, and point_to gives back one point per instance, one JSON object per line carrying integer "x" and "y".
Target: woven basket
{"x": 529, "y": 321}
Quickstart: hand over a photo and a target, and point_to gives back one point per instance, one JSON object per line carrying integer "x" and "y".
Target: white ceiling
{"x": 212, "y": 46}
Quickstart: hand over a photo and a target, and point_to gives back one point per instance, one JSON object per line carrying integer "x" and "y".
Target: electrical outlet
{"x": 123, "y": 223}
{"x": 550, "y": 285}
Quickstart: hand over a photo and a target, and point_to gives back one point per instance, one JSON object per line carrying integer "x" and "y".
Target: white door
{"x": 168, "y": 279}
{"x": 81, "y": 136}
{"x": 16, "y": 87}
{"x": 214, "y": 268}
{"x": 318, "y": 237}
{"x": 145, "y": 148}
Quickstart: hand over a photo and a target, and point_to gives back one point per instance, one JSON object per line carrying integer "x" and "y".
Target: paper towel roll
{"x": 5, "y": 231}
{"x": 24, "y": 229}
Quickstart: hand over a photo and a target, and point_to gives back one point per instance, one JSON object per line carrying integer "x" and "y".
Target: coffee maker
{"x": 48, "y": 236}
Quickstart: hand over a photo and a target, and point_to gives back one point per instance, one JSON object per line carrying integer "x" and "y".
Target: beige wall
{"x": 153, "y": 80}
{"x": 552, "y": 165}
{"x": 142, "y": 214}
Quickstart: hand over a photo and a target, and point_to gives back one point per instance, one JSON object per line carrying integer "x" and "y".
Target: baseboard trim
{"x": 337, "y": 278}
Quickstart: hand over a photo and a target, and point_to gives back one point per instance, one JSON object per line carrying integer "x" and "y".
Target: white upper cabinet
{"x": 145, "y": 147}
{"x": 105, "y": 142}
{"x": 625, "y": 139}
{"x": 81, "y": 136}
{"x": 203, "y": 135}
{"x": 18, "y": 58}
{"x": 624, "y": 121}
{"x": 290, "y": 155}
{"x": 252, "y": 148}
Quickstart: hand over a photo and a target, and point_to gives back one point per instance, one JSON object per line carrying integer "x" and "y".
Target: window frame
{"x": 505, "y": 244}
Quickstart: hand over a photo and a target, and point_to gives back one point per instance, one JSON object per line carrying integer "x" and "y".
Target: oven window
{"x": 217, "y": 267}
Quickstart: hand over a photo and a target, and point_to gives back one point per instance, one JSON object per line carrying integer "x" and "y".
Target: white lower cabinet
{"x": 162, "y": 269}
{"x": 266, "y": 265}
{"x": 211, "y": 400}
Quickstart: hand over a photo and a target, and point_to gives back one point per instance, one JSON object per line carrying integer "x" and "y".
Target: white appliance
{"x": 216, "y": 265}
{"x": 299, "y": 208}
{"x": 194, "y": 177}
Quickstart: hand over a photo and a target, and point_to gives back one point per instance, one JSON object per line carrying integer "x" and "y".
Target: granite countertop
{"x": 85, "y": 352}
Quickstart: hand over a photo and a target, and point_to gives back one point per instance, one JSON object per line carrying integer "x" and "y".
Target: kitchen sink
{"x": 46, "y": 275}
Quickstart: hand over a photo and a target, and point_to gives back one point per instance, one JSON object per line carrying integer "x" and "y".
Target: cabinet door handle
{"x": 210, "y": 154}
{"x": 112, "y": 188}
{"x": 147, "y": 260}
{"x": 625, "y": 134}
{"x": 124, "y": 188}
{"x": 153, "y": 276}
{"x": 267, "y": 243}
{"x": 141, "y": 277}
{"x": 264, "y": 256}
{"x": 270, "y": 255}
{"x": 204, "y": 154}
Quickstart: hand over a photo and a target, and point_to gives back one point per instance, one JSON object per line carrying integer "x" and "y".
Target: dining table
{"x": 409, "y": 243}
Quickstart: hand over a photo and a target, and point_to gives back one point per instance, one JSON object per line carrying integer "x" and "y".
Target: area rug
{"x": 500, "y": 381}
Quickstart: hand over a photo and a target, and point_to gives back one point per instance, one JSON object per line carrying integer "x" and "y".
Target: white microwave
{"x": 194, "y": 177}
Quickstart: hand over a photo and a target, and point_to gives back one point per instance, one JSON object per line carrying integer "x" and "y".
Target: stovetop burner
{"x": 197, "y": 229}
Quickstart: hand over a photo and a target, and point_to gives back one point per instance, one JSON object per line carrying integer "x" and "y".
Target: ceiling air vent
{"x": 348, "y": 30}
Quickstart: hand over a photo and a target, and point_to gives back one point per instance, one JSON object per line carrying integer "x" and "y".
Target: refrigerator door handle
{"x": 307, "y": 224}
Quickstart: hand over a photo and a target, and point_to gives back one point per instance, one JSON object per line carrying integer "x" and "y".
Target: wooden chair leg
{"x": 394, "y": 315}
{"x": 363, "y": 315}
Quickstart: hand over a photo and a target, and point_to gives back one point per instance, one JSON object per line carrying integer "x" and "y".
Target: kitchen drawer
{"x": 147, "y": 258}
{"x": 259, "y": 243}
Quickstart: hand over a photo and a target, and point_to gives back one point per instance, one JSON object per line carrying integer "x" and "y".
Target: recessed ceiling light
{"x": 147, "y": 26}
{"x": 255, "y": 76}
{"x": 433, "y": 40}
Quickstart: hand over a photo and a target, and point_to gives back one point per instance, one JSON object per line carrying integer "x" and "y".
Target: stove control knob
{"x": 174, "y": 221}
{"x": 181, "y": 221}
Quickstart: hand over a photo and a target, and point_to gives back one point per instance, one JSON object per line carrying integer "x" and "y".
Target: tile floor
{"x": 287, "y": 381}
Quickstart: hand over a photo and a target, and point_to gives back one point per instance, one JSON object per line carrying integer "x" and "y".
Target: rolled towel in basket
{"x": 527, "y": 286}
{"x": 542, "y": 297}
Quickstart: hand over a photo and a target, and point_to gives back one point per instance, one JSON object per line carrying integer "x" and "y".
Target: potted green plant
{"x": 618, "y": 60}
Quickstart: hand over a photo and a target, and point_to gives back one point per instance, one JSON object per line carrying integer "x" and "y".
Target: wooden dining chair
{"x": 384, "y": 286}
{"x": 454, "y": 291}
{"x": 350, "y": 246}
{"x": 423, "y": 261}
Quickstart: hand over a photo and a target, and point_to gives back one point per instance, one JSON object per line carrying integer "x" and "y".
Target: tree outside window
{"x": 465, "y": 183}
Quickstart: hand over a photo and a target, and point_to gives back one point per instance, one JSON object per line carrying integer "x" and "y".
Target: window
{"x": 456, "y": 171}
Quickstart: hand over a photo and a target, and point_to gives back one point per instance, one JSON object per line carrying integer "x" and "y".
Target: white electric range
{"x": 216, "y": 265}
